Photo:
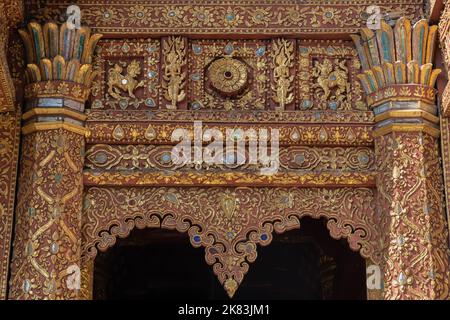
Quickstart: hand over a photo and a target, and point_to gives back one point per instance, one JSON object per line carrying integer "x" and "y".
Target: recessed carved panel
{"x": 128, "y": 74}
{"x": 228, "y": 74}
{"x": 327, "y": 76}
{"x": 181, "y": 73}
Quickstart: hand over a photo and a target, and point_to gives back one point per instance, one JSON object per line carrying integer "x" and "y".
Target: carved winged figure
{"x": 329, "y": 76}
{"x": 117, "y": 82}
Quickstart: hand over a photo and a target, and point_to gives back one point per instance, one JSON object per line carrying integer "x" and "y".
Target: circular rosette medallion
{"x": 228, "y": 76}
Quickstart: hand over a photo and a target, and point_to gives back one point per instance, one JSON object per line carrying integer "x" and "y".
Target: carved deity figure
{"x": 282, "y": 60}
{"x": 174, "y": 50}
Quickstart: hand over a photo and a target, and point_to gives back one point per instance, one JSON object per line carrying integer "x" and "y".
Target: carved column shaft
{"x": 48, "y": 226}
{"x": 414, "y": 226}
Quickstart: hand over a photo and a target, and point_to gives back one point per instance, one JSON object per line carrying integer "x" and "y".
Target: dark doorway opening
{"x": 300, "y": 264}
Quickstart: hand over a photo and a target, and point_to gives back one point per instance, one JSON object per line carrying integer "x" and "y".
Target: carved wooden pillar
{"x": 48, "y": 215}
{"x": 444, "y": 37}
{"x": 11, "y": 13}
{"x": 398, "y": 79}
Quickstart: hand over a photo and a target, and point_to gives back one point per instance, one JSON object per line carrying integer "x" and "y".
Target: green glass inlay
{"x": 399, "y": 75}
{"x": 386, "y": 47}
{"x": 37, "y": 46}
{"x": 422, "y": 31}
{"x": 81, "y": 46}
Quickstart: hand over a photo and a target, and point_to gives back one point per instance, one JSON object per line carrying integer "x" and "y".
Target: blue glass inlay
{"x": 306, "y": 104}
{"x": 197, "y": 49}
{"x": 304, "y": 50}
{"x": 300, "y": 158}
{"x": 195, "y": 105}
{"x": 260, "y": 51}
{"x": 166, "y": 157}
{"x": 386, "y": 47}
{"x": 149, "y": 102}
{"x": 229, "y": 48}
{"x": 58, "y": 177}
{"x": 333, "y": 105}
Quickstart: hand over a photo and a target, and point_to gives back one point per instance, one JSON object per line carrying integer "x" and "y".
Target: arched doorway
{"x": 299, "y": 264}
{"x": 231, "y": 234}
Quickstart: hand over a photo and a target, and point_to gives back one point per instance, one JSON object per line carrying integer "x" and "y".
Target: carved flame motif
{"x": 283, "y": 55}
{"x": 118, "y": 82}
{"x": 174, "y": 79}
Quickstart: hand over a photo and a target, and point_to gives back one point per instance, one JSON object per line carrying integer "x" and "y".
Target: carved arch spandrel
{"x": 228, "y": 222}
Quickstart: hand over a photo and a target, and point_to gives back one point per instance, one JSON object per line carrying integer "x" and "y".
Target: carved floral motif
{"x": 245, "y": 17}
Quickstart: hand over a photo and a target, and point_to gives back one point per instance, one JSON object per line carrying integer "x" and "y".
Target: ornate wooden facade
{"x": 363, "y": 134}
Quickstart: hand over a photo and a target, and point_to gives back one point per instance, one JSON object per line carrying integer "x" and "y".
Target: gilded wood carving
{"x": 148, "y": 86}
{"x": 248, "y": 17}
{"x": 228, "y": 222}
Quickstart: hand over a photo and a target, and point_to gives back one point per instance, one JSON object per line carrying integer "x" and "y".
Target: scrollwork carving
{"x": 228, "y": 222}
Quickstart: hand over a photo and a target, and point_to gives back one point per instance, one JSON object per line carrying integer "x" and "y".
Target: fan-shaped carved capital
{"x": 398, "y": 62}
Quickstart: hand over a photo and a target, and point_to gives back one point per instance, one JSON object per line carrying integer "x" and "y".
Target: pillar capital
{"x": 59, "y": 75}
{"x": 398, "y": 76}
{"x": 406, "y": 116}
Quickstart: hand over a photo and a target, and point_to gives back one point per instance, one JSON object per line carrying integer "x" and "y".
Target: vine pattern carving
{"x": 415, "y": 239}
{"x": 47, "y": 234}
{"x": 228, "y": 222}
